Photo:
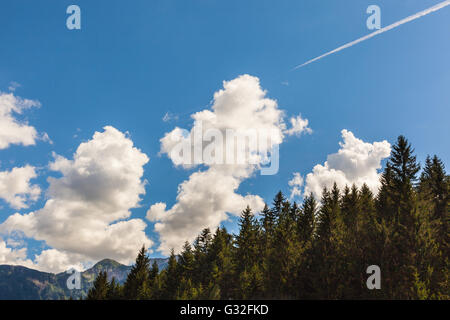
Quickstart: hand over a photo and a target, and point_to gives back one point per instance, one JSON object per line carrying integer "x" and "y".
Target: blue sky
{"x": 131, "y": 63}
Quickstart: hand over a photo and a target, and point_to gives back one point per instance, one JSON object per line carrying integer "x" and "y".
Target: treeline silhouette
{"x": 319, "y": 250}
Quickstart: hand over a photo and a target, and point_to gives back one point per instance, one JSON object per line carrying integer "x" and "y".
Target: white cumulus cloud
{"x": 13, "y": 131}
{"x": 208, "y": 196}
{"x": 357, "y": 162}
{"x": 203, "y": 201}
{"x": 16, "y": 189}
{"x": 86, "y": 216}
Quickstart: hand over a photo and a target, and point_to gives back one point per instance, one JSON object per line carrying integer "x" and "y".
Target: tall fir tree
{"x": 114, "y": 290}
{"x": 248, "y": 260}
{"x": 155, "y": 281}
{"x": 370, "y": 240}
{"x": 286, "y": 253}
{"x": 324, "y": 256}
{"x": 401, "y": 229}
{"x": 306, "y": 228}
{"x": 186, "y": 289}
{"x": 137, "y": 284}
{"x": 306, "y": 223}
{"x": 223, "y": 267}
{"x": 99, "y": 290}
{"x": 170, "y": 279}
{"x": 277, "y": 208}
{"x": 434, "y": 189}
{"x": 202, "y": 269}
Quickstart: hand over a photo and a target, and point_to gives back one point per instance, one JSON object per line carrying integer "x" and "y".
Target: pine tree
{"x": 371, "y": 240}
{"x": 325, "y": 259}
{"x": 186, "y": 290}
{"x": 247, "y": 239}
{"x": 400, "y": 252}
{"x": 99, "y": 291}
{"x": 307, "y": 222}
{"x": 347, "y": 246}
{"x": 278, "y": 206}
{"x": 114, "y": 290}
{"x": 349, "y": 208}
{"x": 434, "y": 188}
{"x": 186, "y": 262}
{"x": 137, "y": 283}
{"x": 155, "y": 281}
{"x": 268, "y": 223}
{"x": 202, "y": 269}
{"x": 223, "y": 268}
{"x": 434, "y": 193}
{"x": 268, "y": 220}
{"x": 385, "y": 202}
{"x": 170, "y": 279}
{"x": 286, "y": 253}
{"x": 306, "y": 225}
{"x": 327, "y": 214}
{"x": 154, "y": 271}
{"x": 247, "y": 258}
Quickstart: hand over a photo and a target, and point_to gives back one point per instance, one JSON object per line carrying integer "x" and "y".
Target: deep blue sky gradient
{"x": 133, "y": 61}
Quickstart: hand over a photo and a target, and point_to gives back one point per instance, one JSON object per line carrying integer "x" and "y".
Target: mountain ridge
{"x": 22, "y": 283}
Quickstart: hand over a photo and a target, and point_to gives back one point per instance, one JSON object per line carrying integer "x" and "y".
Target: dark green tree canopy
{"x": 317, "y": 250}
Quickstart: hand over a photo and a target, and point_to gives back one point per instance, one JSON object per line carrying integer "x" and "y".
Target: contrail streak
{"x": 382, "y": 30}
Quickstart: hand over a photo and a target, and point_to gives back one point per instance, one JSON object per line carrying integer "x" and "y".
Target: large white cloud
{"x": 357, "y": 162}
{"x": 85, "y": 216}
{"x": 15, "y": 187}
{"x": 205, "y": 199}
{"x": 13, "y": 131}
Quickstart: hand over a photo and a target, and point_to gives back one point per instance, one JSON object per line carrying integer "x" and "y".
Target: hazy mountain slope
{"x": 17, "y": 282}
{"x": 20, "y": 283}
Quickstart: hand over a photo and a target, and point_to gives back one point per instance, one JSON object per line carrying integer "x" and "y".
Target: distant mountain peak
{"x": 18, "y": 282}
{"x": 108, "y": 263}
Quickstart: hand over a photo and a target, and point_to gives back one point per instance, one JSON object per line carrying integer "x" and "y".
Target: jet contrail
{"x": 382, "y": 30}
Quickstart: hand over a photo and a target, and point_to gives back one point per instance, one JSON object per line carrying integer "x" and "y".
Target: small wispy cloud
{"x": 44, "y": 137}
{"x": 296, "y": 184}
{"x": 13, "y": 85}
{"x": 394, "y": 25}
{"x": 169, "y": 116}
